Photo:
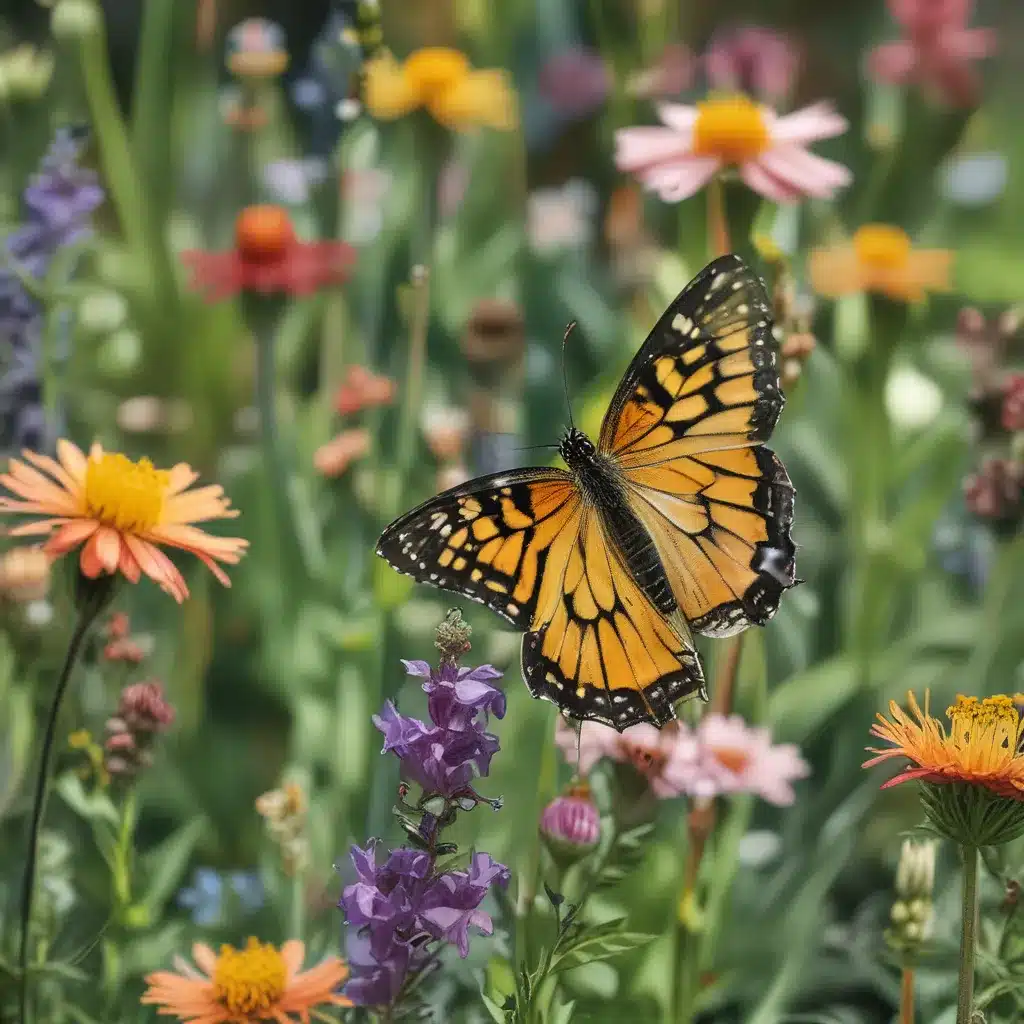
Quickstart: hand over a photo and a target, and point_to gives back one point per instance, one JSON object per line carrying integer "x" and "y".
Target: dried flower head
{"x": 495, "y": 333}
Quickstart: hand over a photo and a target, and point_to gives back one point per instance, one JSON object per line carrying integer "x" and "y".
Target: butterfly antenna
{"x": 565, "y": 379}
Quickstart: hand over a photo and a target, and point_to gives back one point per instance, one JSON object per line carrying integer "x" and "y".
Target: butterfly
{"x": 676, "y": 521}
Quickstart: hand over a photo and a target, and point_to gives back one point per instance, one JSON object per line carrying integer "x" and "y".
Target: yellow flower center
{"x": 434, "y": 69}
{"x": 251, "y": 980}
{"x": 732, "y": 129}
{"x": 881, "y": 246}
{"x": 993, "y": 724}
{"x": 126, "y": 495}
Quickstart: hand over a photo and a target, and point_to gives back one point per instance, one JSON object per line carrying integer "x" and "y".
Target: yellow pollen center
{"x": 993, "y": 723}
{"x": 731, "y": 758}
{"x": 435, "y": 69}
{"x": 251, "y": 980}
{"x": 732, "y": 129}
{"x": 126, "y": 495}
{"x": 881, "y": 245}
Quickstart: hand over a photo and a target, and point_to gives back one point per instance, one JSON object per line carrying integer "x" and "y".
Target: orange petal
{"x": 128, "y": 565}
{"x": 182, "y": 476}
{"x": 158, "y": 567}
{"x": 293, "y": 952}
{"x": 92, "y": 562}
{"x": 41, "y": 526}
{"x": 34, "y": 486}
{"x": 834, "y": 272}
{"x": 205, "y": 958}
{"x": 108, "y": 548}
{"x": 56, "y": 470}
{"x": 70, "y": 536}
{"x": 72, "y": 459}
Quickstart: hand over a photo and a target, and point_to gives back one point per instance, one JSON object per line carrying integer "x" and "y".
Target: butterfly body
{"x": 677, "y": 519}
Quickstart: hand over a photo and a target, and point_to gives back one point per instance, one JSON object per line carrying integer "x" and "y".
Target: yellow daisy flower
{"x": 441, "y": 81}
{"x": 880, "y": 258}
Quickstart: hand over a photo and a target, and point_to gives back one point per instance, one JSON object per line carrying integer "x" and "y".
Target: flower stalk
{"x": 968, "y": 935}
{"x": 96, "y": 596}
{"x": 907, "y": 995}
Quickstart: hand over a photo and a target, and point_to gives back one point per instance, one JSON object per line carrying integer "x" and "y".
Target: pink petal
{"x": 893, "y": 62}
{"x": 819, "y": 121}
{"x": 678, "y": 116}
{"x": 800, "y": 169}
{"x": 758, "y": 179}
{"x": 674, "y": 182}
{"x": 968, "y": 43}
{"x": 637, "y": 148}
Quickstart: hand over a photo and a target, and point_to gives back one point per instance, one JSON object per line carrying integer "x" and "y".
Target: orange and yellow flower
{"x": 244, "y": 986}
{"x": 441, "y": 81}
{"x": 122, "y": 514}
{"x": 981, "y": 746}
{"x": 880, "y": 258}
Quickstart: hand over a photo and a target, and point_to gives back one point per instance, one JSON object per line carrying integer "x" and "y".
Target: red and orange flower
{"x": 122, "y": 514}
{"x": 268, "y": 258}
{"x": 981, "y": 746}
{"x": 245, "y": 986}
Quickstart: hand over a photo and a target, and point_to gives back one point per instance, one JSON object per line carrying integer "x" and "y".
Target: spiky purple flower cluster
{"x": 59, "y": 202}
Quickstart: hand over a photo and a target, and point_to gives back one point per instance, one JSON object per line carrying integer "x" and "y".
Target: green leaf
{"x": 497, "y": 1014}
{"x": 166, "y": 864}
{"x": 94, "y": 806}
{"x": 599, "y": 943}
{"x": 806, "y": 701}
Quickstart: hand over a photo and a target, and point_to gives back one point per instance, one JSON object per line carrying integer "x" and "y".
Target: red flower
{"x": 267, "y": 258}
{"x": 1013, "y": 403}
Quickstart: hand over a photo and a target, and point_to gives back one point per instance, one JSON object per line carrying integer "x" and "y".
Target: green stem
{"x": 968, "y": 932}
{"x": 122, "y": 871}
{"x": 89, "y": 609}
{"x": 297, "y": 921}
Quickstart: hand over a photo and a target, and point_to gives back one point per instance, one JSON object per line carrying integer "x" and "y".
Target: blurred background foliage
{"x": 278, "y": 677}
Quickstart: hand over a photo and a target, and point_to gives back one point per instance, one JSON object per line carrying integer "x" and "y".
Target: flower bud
{"x": 75, "y": 19}
{"x": 571, "y": 824}
{"x": 911, "y": 913}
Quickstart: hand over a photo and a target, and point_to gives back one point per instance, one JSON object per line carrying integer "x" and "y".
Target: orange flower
{"x": 880, "y": 258}
{"x": 334, "y": 458}
{"x": 123, "y": 512}
{"x": 363, "y": 388}
{"x": 982, "y": 746}
{"x": 244, "y": 986}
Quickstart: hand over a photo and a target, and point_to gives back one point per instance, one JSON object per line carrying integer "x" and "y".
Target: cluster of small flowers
{"x": 59, "y": 202}
{"x": 362, "y": 389}
{"x": 284, "y": 811}
{"x": 723, "y": 755}
{"x": 994, "y": 492}
{"x": 397, "y": 911}
{"x": 142, "y": 714}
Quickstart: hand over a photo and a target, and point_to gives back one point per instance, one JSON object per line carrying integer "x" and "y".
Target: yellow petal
{"x": 389, "y": 94}
{"x": 481, "y": 98}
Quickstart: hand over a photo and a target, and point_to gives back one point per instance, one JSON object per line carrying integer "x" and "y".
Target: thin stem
{"x": 907, "y": 996}
{"x": 87, "y": 614}
{"x": 968, "y": 932}
{"x": 719, "y": 243}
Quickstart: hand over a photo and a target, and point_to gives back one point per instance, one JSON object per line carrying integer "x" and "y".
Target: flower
{"x": 768, "y": 150}
{"x": 995, "y": 493}
{"x": 670, "y": 75}
{"x": 752, "y": 60}
{"x": 911, "y": 914}
{"x": 394, "y": 910}
{"x": 142, "y": 713}
{"x": 205, "y": 897}
{"x": 1013, "y": 403}
{"x": 363, "y": 389}
{"x": 333, "y": 458}
{"x": 912, "y": 399}
{"x": 120, "y": 645}
{"x": 292, "y": 181}
{"x": 981, "y": 746}
{"x": 725, "y": 755}
{"x": 245, "y": 986}
{"x": 268, "y": 258}
{"x": 575, "y": 81}
{"x": 881, "y": 259}
{"x": 24, "y": 574}
{"x": 445, "y": 428}
{"x": 446, "y": 756}
{"x": 25, "y": 73}
{"x": 256, "y": 49}
{"x": 284, "y": 812}
{"x": 495, "y": 333}
{"x": 441, "y": 81}
{"x": 561, "y": 218}
{"x": 121, "y": 513}
{"x": 571, "y": 823}
{"x": 938, "y": 51}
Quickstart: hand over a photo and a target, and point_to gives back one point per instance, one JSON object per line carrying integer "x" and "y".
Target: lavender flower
{"x": 59, "y": 202}
{"x": 401, "y": 913}
{"x": 445, "y": 757}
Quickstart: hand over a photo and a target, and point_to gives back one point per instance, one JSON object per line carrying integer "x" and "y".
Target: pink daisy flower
{"x": 938, "y": 51}
{"x": 768, "y": 150}
{"x": 725, "y": 755}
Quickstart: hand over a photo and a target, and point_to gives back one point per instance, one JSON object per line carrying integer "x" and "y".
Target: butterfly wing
{"x": 685, "y": 428}
{"x": 529, "y": 546}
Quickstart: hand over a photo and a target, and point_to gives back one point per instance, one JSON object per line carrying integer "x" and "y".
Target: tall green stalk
{"x": 968, "y": 936}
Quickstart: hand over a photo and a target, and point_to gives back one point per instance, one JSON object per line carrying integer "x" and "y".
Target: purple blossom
{"x": 576, "y": 82}
{"x": 444, "y": 757}
{"x": 59, "y": 201}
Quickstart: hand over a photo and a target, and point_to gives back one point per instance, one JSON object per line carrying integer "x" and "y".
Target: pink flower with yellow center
{"x": 246, "y": 986}
{"x": 769, "y": 151}
{"x": 880, "y": 258}
{"x": 122, "y": 514}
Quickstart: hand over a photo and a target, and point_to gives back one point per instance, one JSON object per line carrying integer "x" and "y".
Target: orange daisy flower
{"x": 244, "y": 986}
{"x": 880, "y": 258}
{"x": 121, "y": 513}
{"x": 981, "y": 747}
